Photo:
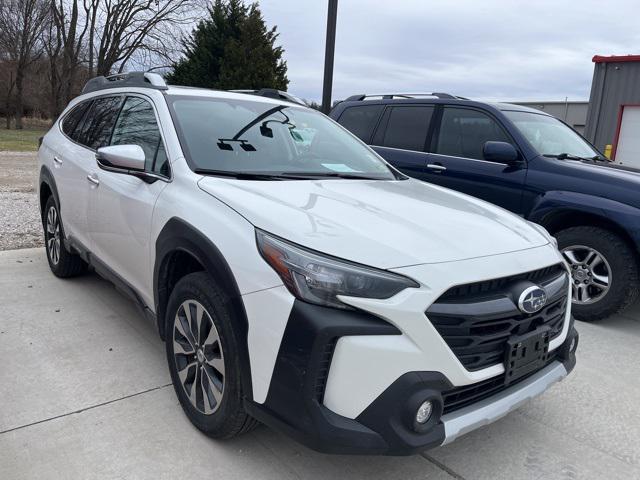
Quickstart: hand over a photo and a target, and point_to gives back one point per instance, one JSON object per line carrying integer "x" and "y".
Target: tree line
{"x": 50, "y": 48}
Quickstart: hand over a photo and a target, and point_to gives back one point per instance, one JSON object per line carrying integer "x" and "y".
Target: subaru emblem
{"x": 532, "y": 299}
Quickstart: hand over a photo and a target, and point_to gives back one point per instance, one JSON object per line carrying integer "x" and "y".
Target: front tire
{"x": 604, "y": 271}
{"x": 62, "y": 263}
{"x": 203, "y": 357}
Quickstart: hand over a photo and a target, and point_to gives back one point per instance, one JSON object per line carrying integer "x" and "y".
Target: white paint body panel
{"x": 384, "y": 224}
{"x": 70, "y": 171}
{"x": 628, "y": 149}
{"x": 120, "y": 215}
{"x": 269, "y": 312}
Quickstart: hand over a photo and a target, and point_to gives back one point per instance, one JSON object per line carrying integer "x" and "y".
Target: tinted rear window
{"x": 361, "y": 120}
{"x": 407, "y": 127}
{"x": 73, "y": 118}
{"x": 97, "y": 127}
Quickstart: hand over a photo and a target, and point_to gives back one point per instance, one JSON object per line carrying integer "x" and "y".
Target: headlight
{"x": 319, "y": 279}
{"x": 545, "y": 233}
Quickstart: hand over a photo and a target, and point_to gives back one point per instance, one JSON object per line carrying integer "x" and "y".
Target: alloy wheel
{"x": 590, "y": 273}
{"x": 198, "y": 355}
{"x": 53, "y": 235}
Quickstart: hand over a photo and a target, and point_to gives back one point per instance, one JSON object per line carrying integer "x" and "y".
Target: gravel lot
{"x": 19, "y": 214}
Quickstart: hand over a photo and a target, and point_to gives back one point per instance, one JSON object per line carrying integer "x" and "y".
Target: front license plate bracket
{"x": 526, "y": 354}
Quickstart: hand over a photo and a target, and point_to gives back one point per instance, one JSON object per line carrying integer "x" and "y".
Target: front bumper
{"x": 491, "y": 409}
{"x": 294, "y": 404}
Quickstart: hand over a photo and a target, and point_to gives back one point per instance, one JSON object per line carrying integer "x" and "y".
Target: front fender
{"x": 556, "y": 203}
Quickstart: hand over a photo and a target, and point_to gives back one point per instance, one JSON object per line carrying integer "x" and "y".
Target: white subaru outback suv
{"x": 296, "y": 278}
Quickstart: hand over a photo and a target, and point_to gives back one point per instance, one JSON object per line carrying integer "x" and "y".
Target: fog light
{"x": 424, "y": 412}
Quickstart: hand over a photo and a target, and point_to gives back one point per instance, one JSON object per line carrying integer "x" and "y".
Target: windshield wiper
{"x": 312, "y": 175}
{"x": 569, "y": 156}
{"x": 240, "y": 175}
{"x": 281, "y": 175}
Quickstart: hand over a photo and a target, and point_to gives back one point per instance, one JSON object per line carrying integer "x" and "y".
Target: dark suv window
{"x": 406, "y": 128}
{"x": 137, "y": 125}
{"x": 98, "y": 125}
{"x": 463, "y": 133}
{"x": 361, "y": 120}
{"x": 74, "y": 118}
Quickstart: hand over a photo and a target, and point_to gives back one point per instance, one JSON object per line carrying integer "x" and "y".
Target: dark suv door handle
{"x": 436, "y": 167}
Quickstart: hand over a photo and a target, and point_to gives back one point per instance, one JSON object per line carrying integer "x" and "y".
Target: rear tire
{"x": 62, "y": 263}
{"x": 203, "y": 357}
{"x": 604, "y": 270}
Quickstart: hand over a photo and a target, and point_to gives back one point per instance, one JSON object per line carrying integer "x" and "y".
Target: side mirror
{"x": 121, "y": 158}
{"x": 501, "y": 152}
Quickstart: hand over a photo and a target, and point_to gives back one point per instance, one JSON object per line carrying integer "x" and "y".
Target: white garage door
{"x": 628, "y": 150}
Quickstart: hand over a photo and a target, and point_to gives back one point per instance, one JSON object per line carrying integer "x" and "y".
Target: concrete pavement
{"x": 85, "y": 393}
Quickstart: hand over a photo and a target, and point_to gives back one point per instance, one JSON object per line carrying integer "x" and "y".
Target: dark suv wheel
{"x": 604, "y": 271}
{"x": 203, "y": 357}
{"x": 63, "y": 263}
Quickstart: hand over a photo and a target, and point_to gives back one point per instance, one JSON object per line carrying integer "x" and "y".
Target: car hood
{"x": 386, "y": 224}
{"x": 607, "y": 170}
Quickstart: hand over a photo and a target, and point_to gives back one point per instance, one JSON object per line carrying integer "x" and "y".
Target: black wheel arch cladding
{"x": 180, "y": 236}
{"x": 47, "y": 180}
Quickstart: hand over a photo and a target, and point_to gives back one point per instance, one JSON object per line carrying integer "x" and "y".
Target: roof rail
{"x": 272, "y": 93}
{"x": 389, "y": 96}
{"x": 130, "y": 79}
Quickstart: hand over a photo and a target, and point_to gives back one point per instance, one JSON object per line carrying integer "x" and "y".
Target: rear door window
{"x": 407, "y": 127}
{"x": 361, "y": 120}
{"x": 137, "y": 125}
{"x": 463, "y": 133}
{"x": 98, "y": 125}
{"x": 73, "y": 119}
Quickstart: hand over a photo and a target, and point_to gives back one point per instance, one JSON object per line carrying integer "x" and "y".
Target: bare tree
{"x": 85, "y": 38}
{"x": 21, "y": 25}
{"x": 66, "y": 45}
{"x": 7, "y": 84}
{"x": 143, "y": 28}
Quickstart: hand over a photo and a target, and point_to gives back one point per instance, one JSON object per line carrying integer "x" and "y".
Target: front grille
{"x": 479, "y": 342}
{"x": 476, "y": 320}
{"x": 489, "y": 287}
{"x": 460, "y": 397}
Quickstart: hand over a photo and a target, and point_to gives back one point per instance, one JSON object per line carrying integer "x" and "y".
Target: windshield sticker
{"x": 338, "y": 167}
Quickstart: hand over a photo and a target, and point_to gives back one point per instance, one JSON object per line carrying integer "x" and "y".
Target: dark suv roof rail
{"x": 272, "y": 93}
{"x": 390, "y": 96}
{"x": 129, "y": 79}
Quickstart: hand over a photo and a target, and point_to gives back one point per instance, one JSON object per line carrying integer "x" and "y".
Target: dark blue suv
{"x": 525, "y": 161}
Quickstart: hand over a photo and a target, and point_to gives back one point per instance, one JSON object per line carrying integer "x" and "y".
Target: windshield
{"x": 240, "y": 137}
{"x": 549, "y": 136}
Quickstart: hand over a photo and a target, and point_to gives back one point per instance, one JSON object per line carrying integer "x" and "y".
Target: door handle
{"x": 57, "y": 160}
{"x": 436, "y": 167}
{"x": 93, "y": 178}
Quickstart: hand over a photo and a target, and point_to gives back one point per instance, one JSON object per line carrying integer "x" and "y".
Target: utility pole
{"x": 330, "y": 46}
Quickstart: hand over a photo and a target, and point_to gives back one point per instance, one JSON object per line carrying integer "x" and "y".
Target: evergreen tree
{"x": 232, "y": 49}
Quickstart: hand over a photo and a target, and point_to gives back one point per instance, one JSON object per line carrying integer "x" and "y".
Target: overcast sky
{"x": 485, "y": 49}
